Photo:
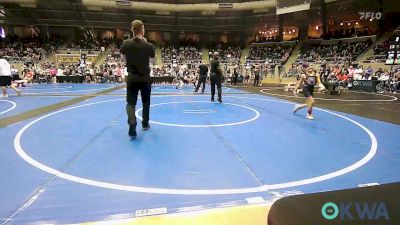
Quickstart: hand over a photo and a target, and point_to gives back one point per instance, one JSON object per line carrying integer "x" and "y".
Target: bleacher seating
{"x": 337, "y": 53}
{"x": 184, "y": 54}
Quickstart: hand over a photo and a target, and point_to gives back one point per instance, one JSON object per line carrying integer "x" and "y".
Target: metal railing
{"x": 270, "y": 61}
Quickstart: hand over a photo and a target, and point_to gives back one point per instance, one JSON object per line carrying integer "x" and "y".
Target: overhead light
{"x": 317, "y": 27}
{"x": 2, "y": 33}
{"x": 341, "y": 24}
{"x": 294, "y": 30}
{"x": 284, "y": 32}
{"x": 356, "y": 23}
{"x": 370, "y": 20}
{"x": 290, "y": 32}
{"x": 348, "y": 24}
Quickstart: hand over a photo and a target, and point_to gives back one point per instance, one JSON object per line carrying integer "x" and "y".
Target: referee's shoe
{"x": 145, "y": 126}
{"x": 132, "y": 131}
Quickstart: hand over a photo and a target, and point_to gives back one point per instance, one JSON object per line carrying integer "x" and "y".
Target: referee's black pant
{"x": 202, "y": 80}
{"x": 256, "y": 80}
{"x": 216, "y": 81}
{"x": 132, "y": 91}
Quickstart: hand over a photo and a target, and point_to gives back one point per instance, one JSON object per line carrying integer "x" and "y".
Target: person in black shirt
{"x": 235, "y": 75}
{"x": 137, "y": 53}
{"x": 256, "y": 72}
{"x": 203, "y": 70}
{"x": 216, "y": 77}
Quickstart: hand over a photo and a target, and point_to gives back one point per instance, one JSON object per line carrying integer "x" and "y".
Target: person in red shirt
{"x": 28, "y": 76}
{"x": 342, "y": 77}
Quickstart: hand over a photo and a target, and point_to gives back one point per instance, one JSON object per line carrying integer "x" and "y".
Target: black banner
{"x": 373, "y": 205}
{"x": 365, "y": 85}
{"x": 70, "y": 79}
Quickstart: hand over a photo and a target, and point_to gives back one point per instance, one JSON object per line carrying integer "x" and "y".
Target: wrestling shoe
{"x": 212, "y": 99}
{"x": 18, "y": 93}
{"x": 4, "y": 96}
{"x": 220, "y": 100}
{"x": 310, "y": 117}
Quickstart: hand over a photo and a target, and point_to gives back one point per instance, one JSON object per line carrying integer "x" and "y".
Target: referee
{"x": 256, "y": 72}
{"x": 216, "y": 77}
{"x": 137, "y": 53}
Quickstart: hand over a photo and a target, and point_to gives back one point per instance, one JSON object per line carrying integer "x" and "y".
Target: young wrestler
{"x": 5, "y": 77}
{"x": 307, "y": 82}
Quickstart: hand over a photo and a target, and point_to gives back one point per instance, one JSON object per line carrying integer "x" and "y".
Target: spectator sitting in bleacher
{"x": 184, "y": 54}
{"x": 227, "y": 52}
{"x": 270, "y": 53}
{"x": 336, "y": 53}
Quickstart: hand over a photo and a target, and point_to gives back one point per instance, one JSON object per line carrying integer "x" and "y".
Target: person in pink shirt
{"x": 351, "y": 72}
{"x": 119, "y": 74}
{"x": 53, "y": 71}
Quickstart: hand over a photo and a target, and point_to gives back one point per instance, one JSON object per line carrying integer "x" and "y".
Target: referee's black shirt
{"x": 214, "y": 67}
{"x": 203, "y": 70}
{"x": 138, "y": 53}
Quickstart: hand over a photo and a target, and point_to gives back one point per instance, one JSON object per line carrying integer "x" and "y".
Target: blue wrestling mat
{"x": 77, "y": 164}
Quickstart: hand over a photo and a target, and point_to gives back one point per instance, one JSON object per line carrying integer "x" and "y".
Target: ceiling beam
{"x": 34, "y": 21}
{"x": 142, "y": 15}
{"x": 161, "y": 28}
{"x": 125, "y": 25}
{"x": 127, "y": 22}
{"x": 82, "y": 17}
